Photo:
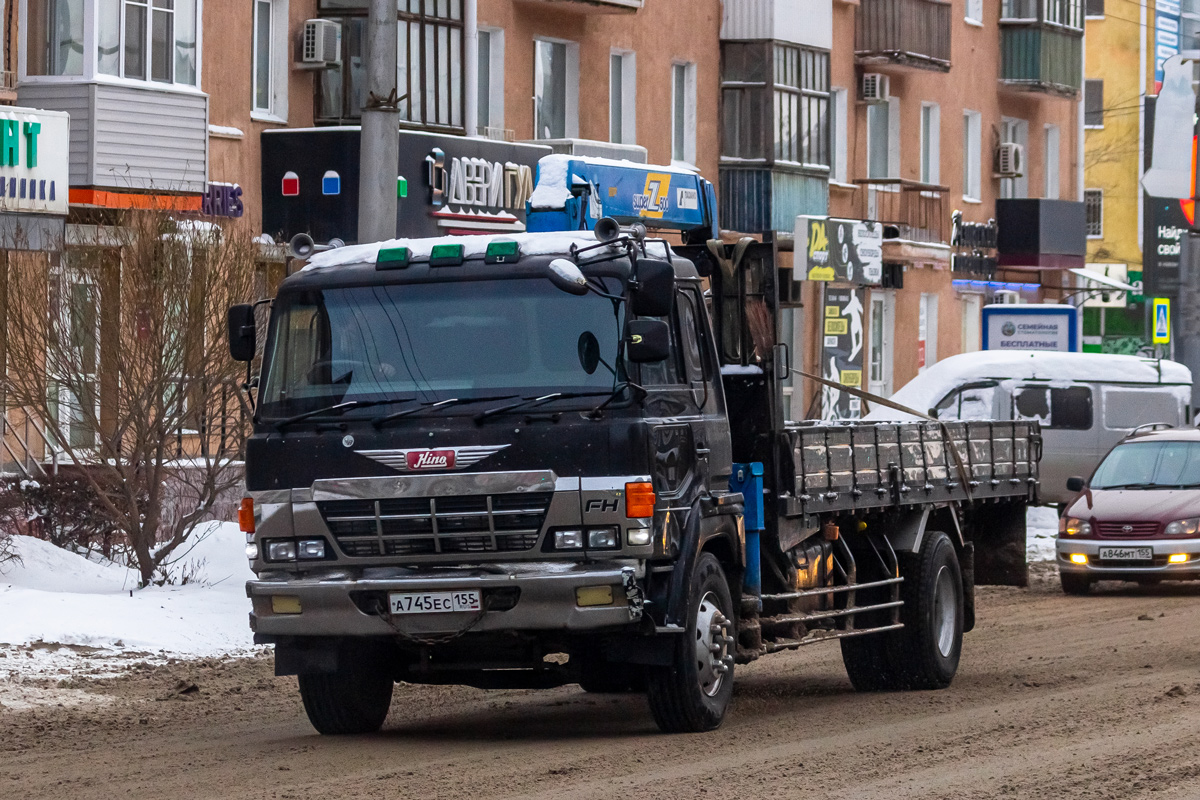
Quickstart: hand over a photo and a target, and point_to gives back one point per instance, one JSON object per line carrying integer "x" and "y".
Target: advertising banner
{"x": 34, "y": 150}
{"x": 839, "y": 250}
{"x": 1031, "y": 327}
{"x": 1166, "y": 36}
{"x": 842, "y": 352}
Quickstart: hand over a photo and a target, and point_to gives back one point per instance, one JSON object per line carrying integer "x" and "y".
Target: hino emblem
{"x": 419, "y": 459}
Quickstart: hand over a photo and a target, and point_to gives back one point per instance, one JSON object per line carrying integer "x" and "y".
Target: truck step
{"x": 821, "y": 635}
{"x": 837, "y": 612}
{"x": 832, "y": 589}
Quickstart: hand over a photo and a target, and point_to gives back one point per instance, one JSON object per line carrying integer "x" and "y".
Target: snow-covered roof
{"x": 551, "y": 243}
{"x": 928, "y": 388}
{"x": 552, "y": 191}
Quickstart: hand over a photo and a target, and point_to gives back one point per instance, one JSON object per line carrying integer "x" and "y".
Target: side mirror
{"x": 1075, "y": 484}
{"x": 647, "y": 341}
{"x": 243, "y": 339}
{"x": 566, "y": 276}
{"x": 655, "y": 288}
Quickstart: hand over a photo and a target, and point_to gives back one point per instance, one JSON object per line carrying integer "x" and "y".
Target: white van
{"x": 1085, "y": 402}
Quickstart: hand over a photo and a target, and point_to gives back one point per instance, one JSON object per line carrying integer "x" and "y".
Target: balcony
{"x": 1041, "y": 46}
{"x": 595, "y": 6}
{"x": 920, "y": 211}
{"x": 906, "y": 33}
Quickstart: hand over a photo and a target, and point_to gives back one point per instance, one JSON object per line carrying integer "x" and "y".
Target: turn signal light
{"x": 246, "y": 515}
{"x": 639, "y": 500}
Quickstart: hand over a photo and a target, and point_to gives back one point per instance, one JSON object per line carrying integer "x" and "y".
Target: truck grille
{"x": 411, "y": 526}
{"x": 1137, "y": 530}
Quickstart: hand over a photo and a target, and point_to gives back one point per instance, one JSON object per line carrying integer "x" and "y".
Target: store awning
{"x": 1103, "y": 280}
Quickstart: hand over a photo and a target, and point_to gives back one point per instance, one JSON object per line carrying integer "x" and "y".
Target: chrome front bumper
{"x": 1116, "y": 570}
{"x": 545, "y": 600}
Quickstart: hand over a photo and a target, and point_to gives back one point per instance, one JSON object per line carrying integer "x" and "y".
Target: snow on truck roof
{"x": 928, "y": 388}
{"x": 531, "y": 244}
{"x": 552, "y": 191}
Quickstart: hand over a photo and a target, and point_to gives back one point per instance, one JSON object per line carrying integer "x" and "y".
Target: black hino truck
{"x": 552, "y": 458}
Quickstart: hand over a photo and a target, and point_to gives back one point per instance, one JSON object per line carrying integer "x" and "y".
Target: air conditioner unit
{"x": 875, "y": 87}
{"x": 1010, "y": 160}
{"x": 322, "y": 45}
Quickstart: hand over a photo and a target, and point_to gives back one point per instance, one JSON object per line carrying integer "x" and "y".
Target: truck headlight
{"x": 311, "y": 549}
{"x": 1075, "y": 527}
{"x": 282, "y": 550}
{"x": 604, "y": 538}
{"x": 568, "y": 540}
{"x": 1183, "y": 527}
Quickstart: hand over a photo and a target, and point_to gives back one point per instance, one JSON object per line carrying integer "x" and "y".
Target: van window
{"x": 1059, "y": 409}
{"x": 1125, "y": 409}
{"x": 973, "y": 401}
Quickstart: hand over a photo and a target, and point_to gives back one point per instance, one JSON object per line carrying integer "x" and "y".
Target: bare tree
{"x": 120, "y": 351}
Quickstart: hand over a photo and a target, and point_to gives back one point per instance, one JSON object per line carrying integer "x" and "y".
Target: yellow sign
{"x": 818, "y": 242}
{"x": 1162, "y": 320}
{"x": 655, "y": 198}
{"x": 833, "y": 311}
{"x": 837, "y": 327}
{"x": 851, "y": 377}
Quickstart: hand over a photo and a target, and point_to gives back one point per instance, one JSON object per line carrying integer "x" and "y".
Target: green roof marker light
{"x": 502, "y": 251}
{"x": 392, "y": 258}
{"x": 446, "y": 255}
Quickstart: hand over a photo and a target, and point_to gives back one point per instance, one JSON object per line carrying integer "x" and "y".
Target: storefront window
{"x": 429, "y": 78}
{"x": 55, "y": 43}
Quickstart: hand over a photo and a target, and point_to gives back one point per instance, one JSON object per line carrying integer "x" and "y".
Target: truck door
{"x": 710, "y": 430}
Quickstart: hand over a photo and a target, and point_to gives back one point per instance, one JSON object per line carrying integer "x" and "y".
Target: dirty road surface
{"x": 1057, "y": 697}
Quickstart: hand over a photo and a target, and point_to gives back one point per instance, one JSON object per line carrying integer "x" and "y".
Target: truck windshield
{"x": 1149, "y": 465}
{"x": 434, "y": 341}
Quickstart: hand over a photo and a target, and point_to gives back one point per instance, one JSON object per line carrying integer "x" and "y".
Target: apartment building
{"x": 903, "y": 133}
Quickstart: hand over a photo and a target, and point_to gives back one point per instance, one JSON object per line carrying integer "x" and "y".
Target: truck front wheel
{"x": 352, "y": 700}
{"x": 926, "y": 650}
{"x": 692, "y": 694}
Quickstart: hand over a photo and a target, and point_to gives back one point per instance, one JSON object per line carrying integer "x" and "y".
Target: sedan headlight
{"x": 1070, "y": 526}
{"x": 1183, "y": 527}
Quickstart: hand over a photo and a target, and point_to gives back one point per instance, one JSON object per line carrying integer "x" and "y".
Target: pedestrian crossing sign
{"x": 1162, "y": 320}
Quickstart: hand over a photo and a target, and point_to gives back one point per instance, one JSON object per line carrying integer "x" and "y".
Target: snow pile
{"x": 1041, "y": 526}
{"x": 551, "y": 190}
{"x": 53, "y": 596}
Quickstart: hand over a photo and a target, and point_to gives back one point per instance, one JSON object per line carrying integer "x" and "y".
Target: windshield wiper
{"x": 534, "y": 402}
{"x": 338, "y": 408}
{"x": 1137, "y": 486}
{"x": 379, "y": 422}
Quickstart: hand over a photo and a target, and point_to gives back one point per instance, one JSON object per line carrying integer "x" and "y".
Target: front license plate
{"x": 1126, "y": 553}
{"x": 433, "y": 602}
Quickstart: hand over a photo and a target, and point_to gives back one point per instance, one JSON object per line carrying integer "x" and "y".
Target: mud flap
{"x": 966, "y": 563}
{"x": 999, "y": 537}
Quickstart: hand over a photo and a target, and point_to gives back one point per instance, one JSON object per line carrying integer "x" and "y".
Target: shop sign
{"x": 1053, "y": 328}
{"x": 839, "y": 250}
{"x": 842, "y": 351}
{"x": 222, "y": 200}
{"x": 34, "y": 147}
{"x": 470, "y": 194}
{"x": 1166, "y": 36}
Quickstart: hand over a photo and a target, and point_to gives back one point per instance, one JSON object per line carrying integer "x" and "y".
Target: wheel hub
{"x": 714, "y": 658}
{"x": 945, "y": 611}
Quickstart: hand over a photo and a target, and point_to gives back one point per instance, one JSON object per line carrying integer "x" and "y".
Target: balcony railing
{"x": 1041, "y": 57}
{"x": 599, "y": 6}
{"x": 920, "y": 211}
{"x": 911, "y": 33}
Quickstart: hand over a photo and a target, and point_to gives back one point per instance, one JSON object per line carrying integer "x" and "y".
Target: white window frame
{"x": 1052, "y": 160}
{"x": 628, "y": 132}
{"x": 931, "y": 130}
{"x": 1086, "y": 15}
{"x": 571, "y": 102}
{"x": 928, "y": 309}
{"x": 277, "y": 107}
{"x": 893, "y": 140}
{"x": 689, "y": 113}
{"x": 882, "y": 309}
{"x": 973, "y": 13}
{"x": 1086, "y": 125}
{"x": 495, "y": 87}
{"x": 972, "y": 323}
{"x": 840, "y": 115}
{"x": 972, "y": 189}
{"x": 1100, "y": 193}
{"x": 90, "y": 72}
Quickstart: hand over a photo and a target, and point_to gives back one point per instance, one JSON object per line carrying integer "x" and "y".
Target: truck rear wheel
{"x": 926, "y": 650}
{"x": 348, "y": 701}
{"x": 868, "y": 663}
{"x": 693, "y": 693}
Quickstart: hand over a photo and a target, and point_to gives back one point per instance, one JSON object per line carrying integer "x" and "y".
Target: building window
{"x": 1093, "y": 104}
{"x": 927, "y": 331}
{"x": 1015, "y": 131}
{"x": 1093, "y": 205}
{"x": 974, "y": 12}
{"x": 838, "y": 133}
{"x": 801, "y": 106}
{"x": 1094, "y": 8}
{"x": 262, "y": 55}
{"x": 931, "y": 144}
{"x": 555, "y": 89}
{"x": 429, "y": 78}
{"x": 972, "y": 156}
{"x": 490, "y": 87}
{"x": 683, "y": 113}
{"x": 883, "y": 139}
{"x": 1068, "y": 13}
{"x": 622, "y": 98}
{"x": 1052, "y": 159}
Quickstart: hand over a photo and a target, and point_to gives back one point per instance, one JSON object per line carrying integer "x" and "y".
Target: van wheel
{"x": 926, "y": 650}
{"x": 1074, "y": 583}
{"x": 347, "y": 701}
{"x": 693, "y": 693}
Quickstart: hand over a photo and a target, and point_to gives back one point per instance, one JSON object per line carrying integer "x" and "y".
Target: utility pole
{"x": 380, "y": 138}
